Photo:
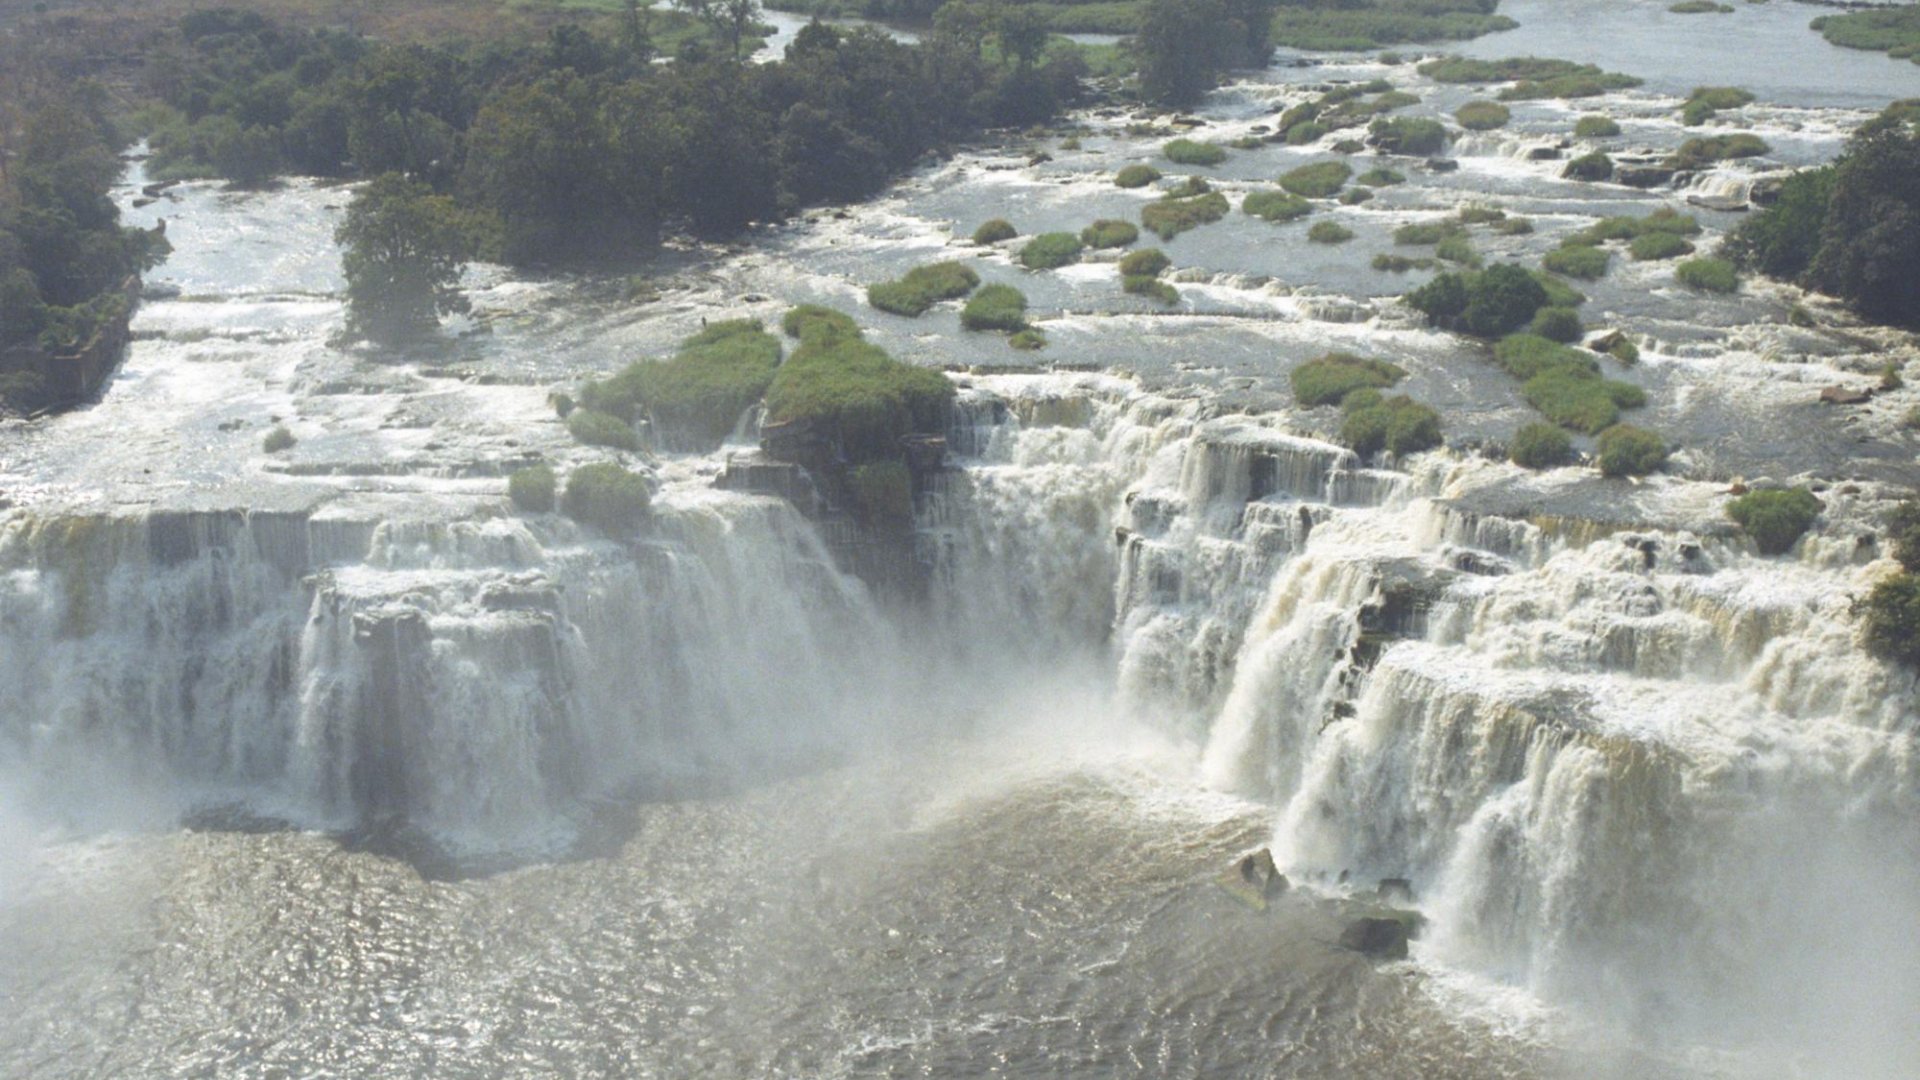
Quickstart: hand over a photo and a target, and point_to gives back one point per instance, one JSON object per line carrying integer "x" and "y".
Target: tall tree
{"x": 403, "y": 249}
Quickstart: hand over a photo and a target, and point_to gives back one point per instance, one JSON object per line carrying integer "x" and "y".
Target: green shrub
{"x": 1425, "y": 232}
{"x": 1136, "y": 176}
{"x": 1028, "y": 340}
{"x": 1329, "y": 232}
{"x": 1348, "y": 146}
{"x": 1189, "y": 152}
{"x": 596, "y": 428}
{"x": 1501, "y": 299}
{"x": 1625, "y": 351}
{"x": 813, "y": 323}
{"x": 1649, "y": 247}
{"x": 1146, "y": 262}
{"x": 1380, "y": 177}
{"x": 1782, "y": 239}
{"x": 1109, "y": 233}
{"x": 1578, "y": 261}
{"x": 1575, "y": 398}
{"x": 1399, "y": 264}
{"x": 994, "y": 231}
{"x": 1595, "y": 167}
{"x": 608, "y": 498}
{"x": 996, "y": 307}
{"x": 1708, "y": 275}
{"x": 1303, "y": 134}
{"x": 1327, "y": 380}
{"x": 1559, "y": 293}
{"x": 1775, "y": 519}
{"x": 1524, "y": 356}
{"x": 1355, "y": 196}
{"x": 1700, "y": 7}
{"x": 1049, "y": 251}
{"x": 1513, "y": 226}
{"x": 1556, "y": 324}
{"x": 1479, "y": 215}
{"x": 1169, "y": 218}
{"x": 923, "y": 287}
{"x": 1702, "y": 152}
{"x": 531, "y": 488}
{"x": 1398, "y": 424}
{"x": 1892, "y": 621}
{"x": 1482, "y": 115}
{"x": 278, "y": 438}
{"x": 1705, "y": 101}
{"x": 1320, "y": 180}
{"x": 1903, "y": 533}
{"x": 694, "y": 399}
{"x": 1626, "y": 450}
{"x": 1411, "y": 135}
{"x": 1443, "y": 299}
{"x": 1459, "y": 250}
{"x": 1188, "y": 188}
{"x": 1596, "y": 127}
{"x": 852, "y": 393}
{"x": 1276, "y": 205}
{"x": 1540, "y": 446}
{"x": 1151, "y": 287}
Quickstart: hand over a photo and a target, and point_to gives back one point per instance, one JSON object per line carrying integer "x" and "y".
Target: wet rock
{"x": 1040, "y": 158}
{"x": 1726, "y": 204}
{"x": 1395, "y": 890}
{"x": 1382, "y": 939}
{"x": 1442, "y": 165}
{"x": 1545, "y": 153}
{"x": 1256, "y": 868}
{"x": 1766, "y": 190}
{"x": 154, "y": 190}
{"x": 1643, "y": 176}
{"x": 143, "y": 201}
{"x": 1608, "y": 341}
{"x": 1842, "y": 395}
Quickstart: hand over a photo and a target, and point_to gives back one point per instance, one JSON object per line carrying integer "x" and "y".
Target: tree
{"x": 728, "y": 19}
{"x": 403, "y": 248}
{"x": 1870, "y": 245}
{"x": 1181, "y": 48}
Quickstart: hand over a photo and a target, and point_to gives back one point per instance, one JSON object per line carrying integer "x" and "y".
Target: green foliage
{"x": 1581, "y": 261}
{"x": 1513, "y": 226}
{"x": 1328, "y": 380}
{"x": 1705, "y": 101}
{"x": 1653, "y": 246}
{"x": 1049, "y": 251}
{"x": 1665, "y": 220}
{"x": 1870, "y": 249}
{"x": 1626, "y": 450}
{"x": 993, "y": 231}
{"x": 1533, "y": 78}
{"x": 1894, "y": 30}
{"x": 278, "y": 438}
{"x": 1029, "y": 340}
{"x": 1892, "y": 622}
{"x": 1775, "y": 519}
{"x": 1274, "y": 205}
{"x": 1708, "y": 275}
{"x": 1109, "y": 233}
{"x": 996, "y": 307}
{"x": 1146, "y": 262}
{"x": 1556, "y": 324}
{"x": 607, "y": 497}
{"x": 1903, "y": 533}
{"x": 1594, "y": 167}
{"x": 1540, "y": 446}
{"x": 1399, "y": 264}
{"x": 1412, "y": 135}
{"x": 1136, "y": 176}
{"x": 1482, "y": 115}
{"x": 1354, "y": 196}
{"x": 1170, "y": 217}
{"x": 1190, "y": 152}
{"x": 1320, "y": 180}
{"x": 596, "y": 428}
{"x": 1329, "y": 232}
{"x": 1397, "y": 424}
{"x": 1457, "y": 249}
{"x": 1700, "y": 7}
{"x": 812, "y": 323}
{"x": 1576, "y": 398}
{"x": 1361, "y": 25}
{"x": 1188, "y": 188}
{"x": 532, "y": 488}
{"x": 1524, "y": 356}
{"x": 1151, "y": 287}
{"x": 1479, "y": 215}
{"x": 923, "y": 287}
{"x": 694, "y": 399}
{"x": 1500, "y": 299}
{"x": 860, "y": 399}
{"x": 1380, "y": 176}
{"x": 1183, "y": 46}
{"x": 402, "y": 249}
{"x": 1425, "y": 232}
{"x": 1698, "y": 153}
{"x": 1596, "y": 127}
{"x": 1305, "y": 134}
{"x": 1782, "y": 240}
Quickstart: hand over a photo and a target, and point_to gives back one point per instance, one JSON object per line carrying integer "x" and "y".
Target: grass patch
{"x": 1457, "y": 249}
{"x": 1147, "y": 262}
{"x": 1556, "y": 324}
{"x": 1150, "y": 287}
{"x": 1421, "y": 233}
{"x": 1136, "y": 176}
{"x": 1365, "y": 26}
{"x": 923, "y": 287}
{"x": 1397, "y": 424}
{"x": 1479, "y": 215}
{"x": 1109, "y": 233}
{"x": 1028, "y": 340}
{"x": 1574, "y": 397}
{"x": 278, "y": 438}
{"x": 1329, "y": 232}
{"x": 1276, "y": 205}
{"x": 1192, "y": 152}
{"x": 1596, "y": 127}
{"x": 1626, "y": 450}
{"x": 1533, "y": 78}
{"x": 607, "y": 497}
{"x": 1706, "y": 101}
{"x": 1482, "y": 115}
{"x": 1583, "y": 261}
{"x": 1594, "y": 167}
{"x": 1700, "y": 7}
{"x": 994, "y": 231}
{"x": 694, "y": 399}
{"x": 1540, "y": 446}
{"x": 532, "y": 488}
{"x": 1653, "y": 246}
{"x": 1775, "y": 519}
{"x": 1399, "y": 264}
{"x": 1380, "y": 176}
{"x": 996, "y": 307}
{"x": 1698, "y": 153}
{"x": 1708, "y": 275}
{"x": 1327, "y": 380}
{"x": 1893, "y": 30}
{"x": 1050, "y": 251}
{"x": 1524, "y": 356}
{"x": 1412, "y": 135}
{"x": 862, "y": 400}
{"x": 1320, "y": 180}
{"x": 1170, "y": 217}
{"x": 596, "y": 428}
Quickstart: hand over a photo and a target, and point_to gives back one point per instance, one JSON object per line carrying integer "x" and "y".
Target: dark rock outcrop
{"x": 1382, "y": 939}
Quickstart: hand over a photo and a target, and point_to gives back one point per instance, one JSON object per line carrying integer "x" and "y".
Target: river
{"x": 326, "y": 762}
